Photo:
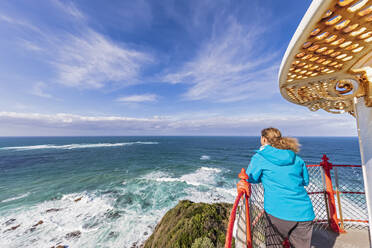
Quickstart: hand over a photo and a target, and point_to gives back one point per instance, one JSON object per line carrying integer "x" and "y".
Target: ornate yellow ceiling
{"x": 325, "y": 63}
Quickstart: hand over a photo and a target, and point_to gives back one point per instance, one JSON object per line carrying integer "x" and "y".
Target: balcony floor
{"x": 351, "y": 239}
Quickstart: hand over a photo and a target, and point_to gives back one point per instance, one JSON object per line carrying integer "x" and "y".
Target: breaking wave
{"x": 202, "y": 176}
{"x": 77, "y": 220}
{"x": 75, "y": 146}
{"x": 16, "y": 197}
{"x": 201, "y": 185}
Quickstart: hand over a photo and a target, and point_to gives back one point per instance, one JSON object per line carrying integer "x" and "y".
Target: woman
{"x": 283, "y": 175}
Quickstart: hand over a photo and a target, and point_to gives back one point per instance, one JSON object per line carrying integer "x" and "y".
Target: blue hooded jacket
{"x": 283, "y": 175}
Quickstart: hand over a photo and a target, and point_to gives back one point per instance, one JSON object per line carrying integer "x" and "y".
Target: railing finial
{"x": 243, "y": 185}
{"x": 242, "y": 175}
{"x": 325, "y": 164}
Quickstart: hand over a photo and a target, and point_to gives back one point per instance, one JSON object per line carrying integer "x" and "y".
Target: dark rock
{"x": 192, "y": 225}
{"x": 33, "y": 228}
{"x": 78, "y": 199}
{"x": 8, "y": 222}
{"x": 12, "y": 228}
{"x": 75, "y": 234}
{"x": 145, "y": 233}
{"x": 39, "y": 223}
{"x": 15, "y": 227}
{"x": 53, "y": 210}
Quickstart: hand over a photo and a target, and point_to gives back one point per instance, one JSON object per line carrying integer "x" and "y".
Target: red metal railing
{"x": 332, "y": 219}
{"x": 326, "y": 193}
{"x": 334, "y": 196}
{"x": 244, "y": 188}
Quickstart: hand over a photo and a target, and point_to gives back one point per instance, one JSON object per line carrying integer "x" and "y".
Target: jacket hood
{"x": 277, "y": 156}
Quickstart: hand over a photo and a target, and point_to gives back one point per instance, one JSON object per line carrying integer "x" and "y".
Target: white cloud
{"x": 38, "y": 90}
{"x": 18, "y": 22}
{"x": 231, "y": 66}
{"x": 30, "y": 46}
{"x": 69, "y": 8}
{"x": 93, "y": 61}
{"x": 82, "y": 57}
{"x": 138, "y": 98}
{"x": 14, "y": 123}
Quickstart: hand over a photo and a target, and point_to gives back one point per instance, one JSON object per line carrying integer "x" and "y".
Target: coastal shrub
{"x": 202, "y": 243}
{"x": 192, "y": 225}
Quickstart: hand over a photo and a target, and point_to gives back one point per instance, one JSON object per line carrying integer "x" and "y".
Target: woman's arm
{"x": 305, "y": 174}
{"x": 254, "y": 170}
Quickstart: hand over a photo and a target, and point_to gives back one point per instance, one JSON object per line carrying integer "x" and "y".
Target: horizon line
{"x": 72, "y": 136}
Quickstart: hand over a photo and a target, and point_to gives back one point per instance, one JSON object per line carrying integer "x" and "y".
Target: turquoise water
{"x": 126, "y": 184}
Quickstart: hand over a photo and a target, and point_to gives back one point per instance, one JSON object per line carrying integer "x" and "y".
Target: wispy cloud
{"x": 138, "y": 98}
{"x": 18, "y": 22}
{"x": 67, "y": 124}
{"x": 83, "y": 57}
{"x": 39, "y": 90}
{"x": 69, "y": 8}
{"x": 30, "y": 46}
{"x": 93, "y": 61}
{"x": 230, "y": 66}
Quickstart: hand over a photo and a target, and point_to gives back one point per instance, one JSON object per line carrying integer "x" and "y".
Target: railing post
{"x": 230, "y": 227}
{"x": 333, "y": 220}
{"x": 244, "y": 186}
{"x": 339, "y": 198}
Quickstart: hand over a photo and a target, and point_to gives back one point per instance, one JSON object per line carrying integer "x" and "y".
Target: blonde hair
{"x": 275, "y": 139}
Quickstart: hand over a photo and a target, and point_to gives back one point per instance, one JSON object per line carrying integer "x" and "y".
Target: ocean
{"x": 112, "y": 191}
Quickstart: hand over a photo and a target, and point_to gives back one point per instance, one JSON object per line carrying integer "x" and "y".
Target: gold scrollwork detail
{"x": 334, "y": 95}
{"x": 344, "y": 87}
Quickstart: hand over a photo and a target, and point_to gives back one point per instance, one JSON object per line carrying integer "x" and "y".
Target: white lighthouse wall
{"x": 364, "y": 122}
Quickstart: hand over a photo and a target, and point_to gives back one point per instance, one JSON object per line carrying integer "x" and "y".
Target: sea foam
{"x": 203, "y": 176}
{"x": 201, "y": 184}
{"x": 64, "y": 216}
{"x": 94, "y": 215}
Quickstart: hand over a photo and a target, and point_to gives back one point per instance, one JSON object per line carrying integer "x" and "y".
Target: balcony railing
{"x": 337, "y": 195}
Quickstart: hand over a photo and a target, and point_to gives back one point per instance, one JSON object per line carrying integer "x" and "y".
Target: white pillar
{"x": 364, "y": 124}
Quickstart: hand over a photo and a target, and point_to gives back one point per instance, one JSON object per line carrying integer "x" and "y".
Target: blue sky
{"x": 170, "y": 67}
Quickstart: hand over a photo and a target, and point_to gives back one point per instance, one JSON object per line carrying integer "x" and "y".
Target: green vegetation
{"x": 195, "y": 225}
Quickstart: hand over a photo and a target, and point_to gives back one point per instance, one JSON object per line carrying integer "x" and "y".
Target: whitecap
{"x": 146, "y": 142}
{"x": 168, "y": 179}
{"x": 16, "y": 197}
{"x": 217, "y": 170}
{"x": 75, "y": 146}
{"x": 205, "y": 157}
{"x": 203, "y": 176}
